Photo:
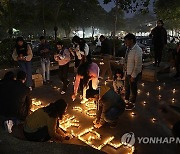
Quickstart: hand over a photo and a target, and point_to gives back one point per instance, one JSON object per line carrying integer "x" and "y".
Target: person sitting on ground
{"x": 86, "y": 71}
{"x": 42, "y": 125}
{"x": 118, "y": 82}
{"x": 170, "y": 114}
{"x": 9, "y": 76}
{"x": 15, "y": 100}
{"x": 26, "y": 102}
{"x": 109, "y": 105}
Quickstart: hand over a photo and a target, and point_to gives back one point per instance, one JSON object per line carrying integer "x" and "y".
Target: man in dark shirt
{"x": 106, "y": 52}
{"x": 159, "y": 40}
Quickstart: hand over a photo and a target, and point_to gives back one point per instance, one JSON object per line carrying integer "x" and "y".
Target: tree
{"x": 169, "y": 12}
{"x": 139, "y": 22}
{"x": 131, "y": 5}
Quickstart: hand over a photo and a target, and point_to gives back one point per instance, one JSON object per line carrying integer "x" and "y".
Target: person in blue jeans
{"x": 23, "y": 55}
{"x": 109, "y": 105}
{"x": 44, "y": 52}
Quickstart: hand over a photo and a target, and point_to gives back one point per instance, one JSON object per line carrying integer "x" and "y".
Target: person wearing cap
{"x": 109, "y": 105}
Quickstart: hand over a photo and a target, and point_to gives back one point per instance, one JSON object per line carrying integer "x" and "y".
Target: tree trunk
{"x": 93, "y": 29}
{"x": 83, "y": 32}
{"x": 44, "y": 27}
{"x": 55, "y": 32}
{"x": 67, "y": 32}
{"x": 115, "y": 28}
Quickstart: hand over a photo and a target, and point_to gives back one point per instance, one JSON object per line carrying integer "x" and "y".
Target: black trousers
{"x": 131, "y": 88}
{"x": 63, "y": 75}
{"x": 158, "y": 50}
{"x": 41, "y": 135}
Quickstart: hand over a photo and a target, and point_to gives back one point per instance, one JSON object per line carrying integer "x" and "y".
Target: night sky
{"x": 109, "y": 6}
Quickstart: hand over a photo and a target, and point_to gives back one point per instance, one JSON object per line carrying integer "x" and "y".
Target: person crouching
{"x": 109, "y": 105}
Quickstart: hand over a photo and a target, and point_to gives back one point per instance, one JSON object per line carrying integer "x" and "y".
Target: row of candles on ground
{"x": 159, "y": 96}
{"x": 133, "y": 114}
{"x": 71, "y": 121}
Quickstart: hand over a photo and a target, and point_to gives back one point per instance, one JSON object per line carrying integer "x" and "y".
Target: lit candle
{"x": 159, "y": 87}
{"x": 139, "y": 91}
{"x": 174, "y": 91}
{"x": 153, "y": 120}
{"x": 142, "y": 84}
{"x": 147, "y": 93}
{"x": 144, "y": 103}
{"x": 105, "y": 82}
{"x": 160, "y": 96}
{"x": 133, "y": 114}
{"x": 173, "y": 100}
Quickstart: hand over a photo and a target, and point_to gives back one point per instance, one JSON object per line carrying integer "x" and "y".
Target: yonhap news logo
{"x": 129, "y": 140}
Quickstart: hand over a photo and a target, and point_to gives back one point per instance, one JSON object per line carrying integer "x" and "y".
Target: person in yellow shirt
{"x": 42, "y": 125}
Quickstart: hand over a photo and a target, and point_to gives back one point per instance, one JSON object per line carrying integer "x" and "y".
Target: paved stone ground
{"x": 141, "y": 124}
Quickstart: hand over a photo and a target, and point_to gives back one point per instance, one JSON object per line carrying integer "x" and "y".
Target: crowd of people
{"x": 41, "y": 125}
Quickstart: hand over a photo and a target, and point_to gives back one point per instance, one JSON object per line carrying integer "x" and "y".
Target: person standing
{"x": 44, "y": 53}
{"x": 23, "y": 55}
{"x": 80, "y": 51}
{"x": 159, "y": 40}
{"x": 63, "y": 59}
{"x": 133, "y": 67}
{"x": 106, "y": 52}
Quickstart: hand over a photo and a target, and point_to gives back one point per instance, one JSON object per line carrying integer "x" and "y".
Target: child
{"x": 118, "y": 82}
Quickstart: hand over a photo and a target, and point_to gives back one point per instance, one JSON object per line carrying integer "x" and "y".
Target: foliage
{"x": 6, "y": 50}
{"x": 168, "y": 11}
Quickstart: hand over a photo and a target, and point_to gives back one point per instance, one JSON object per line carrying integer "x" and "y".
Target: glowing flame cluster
{"x": 36, "y": 104}
{"x": 89, "y": 108}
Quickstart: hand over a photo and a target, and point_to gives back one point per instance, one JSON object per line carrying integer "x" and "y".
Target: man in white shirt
{"x": 133, "y": 67}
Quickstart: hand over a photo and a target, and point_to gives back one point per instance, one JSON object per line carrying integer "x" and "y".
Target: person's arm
{"x": 99, "y": 121}
{"x": 115, "y": 86}
{"x": 99, "y": 111}
{"x": 52, "y": 130}
{"x": 15, "y": 55}
{"x": 66, "y": 54}
{"x": 71, "y": 51}
{"x": 86, "y": 50}
{"x": 152, "y": 33}
{"x": 29, "y": 53}
{"x": 137, "y": 65}
{"x": 76, "y": 84}
{"x": 28, "y": 102}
